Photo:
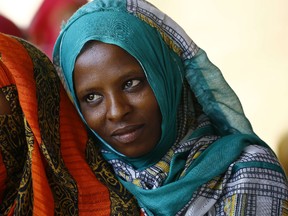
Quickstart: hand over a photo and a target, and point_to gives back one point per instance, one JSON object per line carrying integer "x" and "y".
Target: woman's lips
{"x": 127, "y": 134}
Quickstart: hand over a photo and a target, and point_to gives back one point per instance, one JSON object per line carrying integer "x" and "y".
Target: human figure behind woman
{"x": 48, "y": 164}
{"x": 163, "y": 115}
{"x": 7, "y": 26}
{"x": 46, "y": 22}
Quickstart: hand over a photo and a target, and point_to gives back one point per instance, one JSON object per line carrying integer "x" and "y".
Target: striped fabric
{"x": 48, "y": 164}
{"x": 243, "y": 190}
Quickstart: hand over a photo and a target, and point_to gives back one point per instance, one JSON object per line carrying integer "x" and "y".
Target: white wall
{"x": 19, "y": 11}
{"x": 248, "y": 41}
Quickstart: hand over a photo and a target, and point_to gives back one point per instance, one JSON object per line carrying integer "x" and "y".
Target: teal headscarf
{"x": 162, "y": 67}
{"x": 169, "y": 57}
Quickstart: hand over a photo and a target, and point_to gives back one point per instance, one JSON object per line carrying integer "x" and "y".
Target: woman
{"x": 163, "y": 116}
{"x": 47, "y": 167}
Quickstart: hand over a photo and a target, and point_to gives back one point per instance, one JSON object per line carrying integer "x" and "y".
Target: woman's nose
{"x": 118, "y": 106}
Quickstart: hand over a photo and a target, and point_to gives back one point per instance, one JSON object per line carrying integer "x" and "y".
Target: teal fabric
{"x": 162, "y": 203}
{"x": 162, "y": 67}
{"x": 110, "y": 21}
{"x": 217, "y": 98}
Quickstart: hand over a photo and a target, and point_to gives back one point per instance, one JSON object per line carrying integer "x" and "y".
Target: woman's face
{"x": 116, "y": 100}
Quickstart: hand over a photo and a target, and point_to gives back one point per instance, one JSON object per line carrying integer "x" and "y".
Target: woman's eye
{"x": 131, "y": 84}
{"x": 92, "y": 98}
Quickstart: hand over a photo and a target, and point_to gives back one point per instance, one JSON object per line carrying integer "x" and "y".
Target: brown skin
{"x": 116, "y": 100}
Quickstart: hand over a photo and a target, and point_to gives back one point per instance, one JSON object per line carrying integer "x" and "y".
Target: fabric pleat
{"x": 47, "y": 166}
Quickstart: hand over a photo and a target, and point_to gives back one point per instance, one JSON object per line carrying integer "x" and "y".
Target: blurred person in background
{"x": 9, "y": 27}
{"x": 45, "y": 25}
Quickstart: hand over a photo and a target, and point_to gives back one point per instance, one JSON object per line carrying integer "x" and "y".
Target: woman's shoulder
{"x": 255, "y": 184}
{"x": 257, "y": 172}
{"x": 259, "y": 160}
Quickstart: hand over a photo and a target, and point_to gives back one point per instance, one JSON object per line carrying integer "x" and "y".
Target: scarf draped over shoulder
{"x": 48, "y": 164}
{"x": 196, "y": 148}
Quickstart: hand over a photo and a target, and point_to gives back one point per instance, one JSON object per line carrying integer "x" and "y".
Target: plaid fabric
{"x": 244, "y": 189}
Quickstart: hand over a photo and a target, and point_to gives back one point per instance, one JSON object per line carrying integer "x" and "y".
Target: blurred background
{"x": 247, "y": 40}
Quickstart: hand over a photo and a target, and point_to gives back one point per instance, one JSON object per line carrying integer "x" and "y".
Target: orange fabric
{"x": 93, "y": 197}
{"x": 54, "y": 174}
{"x": 23, "y": 76}
{"x": 91, "y": 191}
{"x": 7, "y": 79}
{"x": 43, "y": 199}
{"x": 20, "y": 65}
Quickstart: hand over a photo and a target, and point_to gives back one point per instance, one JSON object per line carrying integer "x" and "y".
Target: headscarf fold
{"x": 171, "y": 61}
{"x": 46, "y": 166}
{"x": 149, "y": 36}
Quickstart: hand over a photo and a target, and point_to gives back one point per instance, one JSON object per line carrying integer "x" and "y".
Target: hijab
{"x": 177, "y": 71}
